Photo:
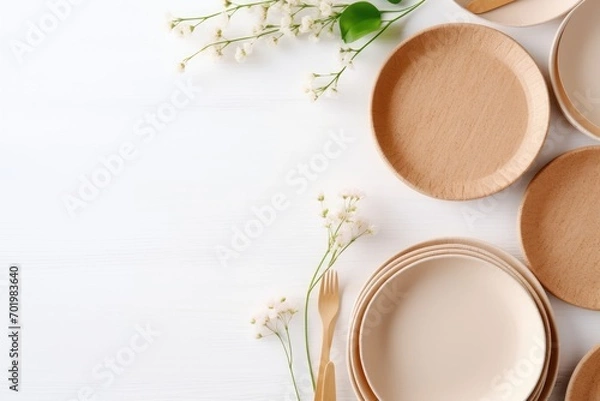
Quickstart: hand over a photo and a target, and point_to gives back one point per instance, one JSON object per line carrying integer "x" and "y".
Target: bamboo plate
{"x": 467, "y": 247}
{"x": 584, "y": 384}
{"x": 569, "y": 110}
{"x": 577, "y": 58}
{"x": 460, "y": 317}
{"x": 526, "y": 12}
{"x": 559, "y": 227}
{"x": 460, "y": 111}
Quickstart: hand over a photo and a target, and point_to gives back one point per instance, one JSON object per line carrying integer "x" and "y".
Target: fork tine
{"x": 323, "y": 288}
{"x": 336, "y": 283}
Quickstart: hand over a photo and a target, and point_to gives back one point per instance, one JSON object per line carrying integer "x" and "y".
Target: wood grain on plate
{"x": 460, "y": 111}
{"x": 560, "y": 227}
{"x": 526, "y": 12}
{"x": 585, "y": 382}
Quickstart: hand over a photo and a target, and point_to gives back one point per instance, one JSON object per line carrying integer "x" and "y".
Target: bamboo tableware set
{"x": 461, "y": 111}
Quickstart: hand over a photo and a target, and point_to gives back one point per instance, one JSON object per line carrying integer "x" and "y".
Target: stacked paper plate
{"x": 574, "y": 67}
{"x": 453, "y": 319}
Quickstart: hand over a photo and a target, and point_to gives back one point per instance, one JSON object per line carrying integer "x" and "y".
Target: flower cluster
{"x": 344, "y": 225}
{"x": 278, "y": 19}
{"x": 274, "y": 19}
{"x": 275, "y": 319}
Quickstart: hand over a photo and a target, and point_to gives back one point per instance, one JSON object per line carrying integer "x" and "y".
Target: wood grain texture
{"x": 483, "y": 6}
{"x": 585, "y": 382}
{"x": 460, "y": 111}
{"x": 559, "y": 225}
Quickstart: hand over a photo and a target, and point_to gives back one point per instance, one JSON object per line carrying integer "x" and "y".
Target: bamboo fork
{"x": 329, "y": 307}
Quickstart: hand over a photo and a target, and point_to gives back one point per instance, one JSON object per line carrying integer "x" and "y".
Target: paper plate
{"x": 460, "y": 111}
{"x": 559, "y": 227}
{"x": 468, "y": 247}
{"x": 526, "y": 12}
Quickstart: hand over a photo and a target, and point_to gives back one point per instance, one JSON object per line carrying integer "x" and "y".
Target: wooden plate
{"x": 559, "y": 226}
{"x": 527, "y": 12}
{"x": 585, "y": 382}
{"x": 577, "y": 58}
{"x": 460, "y": 111}
{"x": 464, "y": 247}
{"x": 569, "y": 110}
{"x": 460, "y": 320}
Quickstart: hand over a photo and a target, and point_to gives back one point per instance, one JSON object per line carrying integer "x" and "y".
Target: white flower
{"x": 226, "y": 3}
{"x": 217, "y": 34}
{"x": 258, "y": 29}
{"x": 240, "y": 55}
{"x": 181, "y": 67}
{"x": 247, "y": 47}
{"x": 352, "y": 194}
{"x": 308, "y": 83}
{"x": 321, "y": 195}
{"x": 343, "y": 237}
{"x": 325, "y": 8}
{"x": 171, "y": 21}
{"x": 307, "y": 24}
{"x": 287, "y": 26}
{"x": 312, "y": 95}
{"x": 331, "y": 92}
{"x": 272, "y": 41}
{"x": 184, "y": 30}
{"x": 314, "y": 37}
{"x": 216, "y": 52}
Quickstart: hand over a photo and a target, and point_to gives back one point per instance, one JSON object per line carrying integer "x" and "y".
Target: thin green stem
{"x": 306, "y": 305}
{"x": 290, "y": 361}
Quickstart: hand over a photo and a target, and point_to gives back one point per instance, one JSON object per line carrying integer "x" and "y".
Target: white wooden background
{"x": 143, "y": 250}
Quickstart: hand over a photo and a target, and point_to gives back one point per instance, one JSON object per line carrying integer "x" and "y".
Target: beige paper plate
{"x": 526, "y": 12}
{"x": 414, "y": 255}
{"x": 460, "y": 111}
{"x": 577, "y": 56}
{"x": 444, "y": 246}
{"x": 569, "y": 110}
{"x": 585, "y": 382}
{"x": 461, "y": 319}
{"x": 560, "y": 227}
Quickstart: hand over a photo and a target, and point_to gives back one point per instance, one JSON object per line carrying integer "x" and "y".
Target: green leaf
{"x": 359, "y": 19}
{"x": 395, "y": 1}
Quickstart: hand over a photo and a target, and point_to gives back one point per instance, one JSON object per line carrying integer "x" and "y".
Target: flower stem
{"x": 290, "y": 360}
{"x": 306, "y": 305}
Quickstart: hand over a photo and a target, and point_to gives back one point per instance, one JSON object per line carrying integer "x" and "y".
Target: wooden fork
{"x": 329, "y": 307}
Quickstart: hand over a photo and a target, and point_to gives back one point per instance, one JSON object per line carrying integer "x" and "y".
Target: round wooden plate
{"x": 460, "y": 111}
{"x": 585, "y": 382}
{"x": 560, "y": 220}
{"x": 526, "y": 12}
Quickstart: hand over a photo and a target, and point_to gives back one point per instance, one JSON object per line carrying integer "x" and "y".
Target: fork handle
{"x": 325, "y": 356}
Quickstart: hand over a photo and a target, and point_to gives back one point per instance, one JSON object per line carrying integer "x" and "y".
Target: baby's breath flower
{"x": 181, "y": 67}
{"x": 247, "y": 47}
{"x": 184, "y": 30}
{"x": 307, "y": 24}
{"x": 321, "y": 195}
{"x": 240, "y": 55}
{"x": 325, "y": 8}
{"x": 226, "y": 3}
{"x": 314, "y": 37}
{"x": 273, "y": 41}
{"x": 331, "y": 92}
